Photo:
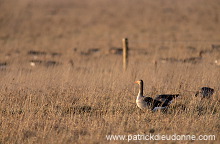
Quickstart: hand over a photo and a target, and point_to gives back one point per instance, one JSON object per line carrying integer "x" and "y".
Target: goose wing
{"x": 152, "y": 102}
{"x": 148, "y": 100}
{"x": 166, "y": 97}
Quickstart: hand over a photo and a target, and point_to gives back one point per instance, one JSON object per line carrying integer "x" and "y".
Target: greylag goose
{"x": 205, "y": 92}
{"x": 159, "y": 102}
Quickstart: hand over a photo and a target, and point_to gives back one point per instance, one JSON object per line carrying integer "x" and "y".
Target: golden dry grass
{"x": 87, "y": 96}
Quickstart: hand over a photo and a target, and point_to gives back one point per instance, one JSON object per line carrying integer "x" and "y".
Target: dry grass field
{"x": 61, "y": 69}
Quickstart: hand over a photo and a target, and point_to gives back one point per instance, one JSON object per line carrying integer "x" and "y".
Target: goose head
{"x": 140, "y": 82}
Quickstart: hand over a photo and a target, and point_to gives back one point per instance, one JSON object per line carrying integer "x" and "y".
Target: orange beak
{"x": 136, "y": 82}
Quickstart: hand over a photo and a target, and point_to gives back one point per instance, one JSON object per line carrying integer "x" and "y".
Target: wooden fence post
{"x": 125, "y": 52}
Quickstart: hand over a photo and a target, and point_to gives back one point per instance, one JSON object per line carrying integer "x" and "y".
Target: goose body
{"x": 205, "y": 92}
{"x": 159, "y": 102}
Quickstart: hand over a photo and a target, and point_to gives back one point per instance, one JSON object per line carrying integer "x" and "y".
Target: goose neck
{"x": 140, "y": 89}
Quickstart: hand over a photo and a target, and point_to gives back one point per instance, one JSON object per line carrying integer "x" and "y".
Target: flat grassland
{"x": 61, "y": 69}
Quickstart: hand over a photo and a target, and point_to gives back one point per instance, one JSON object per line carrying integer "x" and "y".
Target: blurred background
{"x": 62, "y": 24}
